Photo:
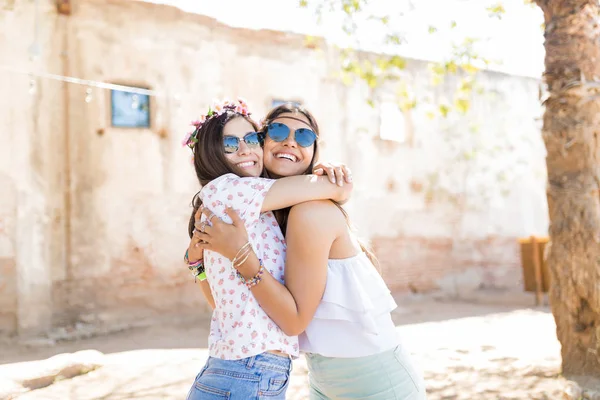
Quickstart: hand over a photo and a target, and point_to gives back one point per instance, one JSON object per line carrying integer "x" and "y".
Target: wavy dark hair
{"x": 209, "y": 155}
{"x": 282, "y": 215}
{"x": 291, "y": 108}
{"x": 210, "y": 162}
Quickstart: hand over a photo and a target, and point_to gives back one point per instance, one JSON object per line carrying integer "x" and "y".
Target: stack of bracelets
{"x": 196, "y": 268}
{"x": 240, "y": 258}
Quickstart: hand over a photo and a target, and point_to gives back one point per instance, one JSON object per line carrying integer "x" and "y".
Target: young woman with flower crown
{"x": 250, "y": 356}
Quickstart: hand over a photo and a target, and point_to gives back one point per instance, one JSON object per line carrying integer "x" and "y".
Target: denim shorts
{"x": 390, "y": 375}
{"x": 264, "y": 376}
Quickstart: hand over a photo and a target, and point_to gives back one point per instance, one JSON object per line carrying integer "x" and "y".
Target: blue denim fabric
{"x": 264, "y": 376}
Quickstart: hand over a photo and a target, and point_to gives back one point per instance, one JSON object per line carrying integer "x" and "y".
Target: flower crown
{"x": 239, "y": 107}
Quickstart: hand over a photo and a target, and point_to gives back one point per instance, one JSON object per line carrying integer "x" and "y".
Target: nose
{"x": 244, "y": 149}
{"x": 290, "y": 141}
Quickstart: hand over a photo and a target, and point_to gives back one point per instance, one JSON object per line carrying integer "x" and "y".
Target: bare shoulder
{"x": 322, "y": 212}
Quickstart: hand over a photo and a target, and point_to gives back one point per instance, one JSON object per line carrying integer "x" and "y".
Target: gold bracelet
{"x": 241, "y": 262}
{"x": 245, "y": 246}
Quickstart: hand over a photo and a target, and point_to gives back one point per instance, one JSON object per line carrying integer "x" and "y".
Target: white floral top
{"x": 239, "y": 327}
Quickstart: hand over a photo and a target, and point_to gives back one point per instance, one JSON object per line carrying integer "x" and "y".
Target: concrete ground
{"x": 491, "y": 346}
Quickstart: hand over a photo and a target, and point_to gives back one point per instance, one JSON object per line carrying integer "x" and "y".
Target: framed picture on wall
{"x": 129, "y": 110}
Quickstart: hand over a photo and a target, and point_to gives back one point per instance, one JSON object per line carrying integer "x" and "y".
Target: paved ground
{"x": 468, "y": 350}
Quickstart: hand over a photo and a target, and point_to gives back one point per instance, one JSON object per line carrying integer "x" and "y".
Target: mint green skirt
{"x": 390, "y": 375}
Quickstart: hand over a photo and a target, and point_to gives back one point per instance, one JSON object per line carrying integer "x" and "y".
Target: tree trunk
{"x": 571, "y": 133}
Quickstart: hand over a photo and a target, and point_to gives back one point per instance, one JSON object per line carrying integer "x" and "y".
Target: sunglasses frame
{"x": 261, "y": 140}
{"x": 316, "y": 137}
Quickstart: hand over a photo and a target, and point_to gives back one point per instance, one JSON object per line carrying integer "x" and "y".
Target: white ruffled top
{"x": 353, "y": 318}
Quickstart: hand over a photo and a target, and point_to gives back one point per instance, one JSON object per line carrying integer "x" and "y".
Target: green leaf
{"x": 444, "y": 110}
{"x": 432, "y": 29}
{"x": 469, "y": 68}
{"x": 436, "y": 68}
{"x": 496, "y": 10}
{"x": 466, "y": 85}
{"x": 462, "y": 105}
{"x": 394, "y": 39}
{"x": 408, "y": 105}
{"x": 398, "y": 62}
{"x": 451, "y": 67}
{"x": 371, "y": 79}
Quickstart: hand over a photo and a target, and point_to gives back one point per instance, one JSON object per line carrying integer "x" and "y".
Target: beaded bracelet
{"x": 196, "y": 268}
{"x": 198, "y": 273}
{"x": 255, "y": 279}
{"x": 201, "y": 276}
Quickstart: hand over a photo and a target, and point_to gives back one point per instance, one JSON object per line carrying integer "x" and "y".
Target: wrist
{"x": 256, "y": 278}
{"x": 235, "y": 250}
{"x": 190, "y": 257}
{"x": 249, "y": 268}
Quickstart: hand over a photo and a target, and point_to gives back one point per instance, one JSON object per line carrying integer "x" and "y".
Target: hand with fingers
{"x": 219, "y": 236}
{"x": 337, "y": 173}
{"x": 195, "y": 253}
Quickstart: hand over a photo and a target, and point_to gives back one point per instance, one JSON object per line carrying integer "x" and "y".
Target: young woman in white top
{"x": 249, "y": 353}
{"x": 334, "y": 296}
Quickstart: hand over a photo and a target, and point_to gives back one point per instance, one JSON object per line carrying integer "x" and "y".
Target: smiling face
{"x": 287, "y": 158}
{"x": 247, "y": 159}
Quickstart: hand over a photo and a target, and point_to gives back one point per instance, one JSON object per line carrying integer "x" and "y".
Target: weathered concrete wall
{"x": 93, "y": 218}
{"x": 489, "y": 188}
{"x": 31, "y": 169}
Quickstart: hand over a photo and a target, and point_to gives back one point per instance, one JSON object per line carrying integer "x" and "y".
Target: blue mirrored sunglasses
{"x": 252, "y": 139}
{"x": 279, "y": 132}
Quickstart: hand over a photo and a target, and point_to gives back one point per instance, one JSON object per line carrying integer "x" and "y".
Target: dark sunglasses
{"x": 279, "y": 132}
{"x": 252, "y": 140}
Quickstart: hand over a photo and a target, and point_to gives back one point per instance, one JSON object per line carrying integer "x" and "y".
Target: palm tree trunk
{"x": 571, "y": 133}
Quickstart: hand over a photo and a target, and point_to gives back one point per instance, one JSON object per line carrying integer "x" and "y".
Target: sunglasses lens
{"x": 253, "y": 139}
{"x": 278, "y": 132}
{"x": 305, "y": 137}
{"x": 231, "y": 144}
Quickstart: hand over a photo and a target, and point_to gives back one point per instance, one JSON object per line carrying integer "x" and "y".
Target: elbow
{"x": 343, "y": 193}
{"x": 293, "y": 329}
{"x": 292, "y": 332}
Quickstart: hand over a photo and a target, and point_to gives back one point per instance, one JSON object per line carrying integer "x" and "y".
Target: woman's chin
{"x": 287, "y": 170}
{"x": 255, "y": 171}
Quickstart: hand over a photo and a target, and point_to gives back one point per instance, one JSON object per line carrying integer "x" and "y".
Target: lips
{"x": 286, "y": 156}
{"x": 246, "y": 164}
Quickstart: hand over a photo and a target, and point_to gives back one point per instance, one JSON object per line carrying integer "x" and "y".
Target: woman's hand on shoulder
{"x": 336, "y": 172}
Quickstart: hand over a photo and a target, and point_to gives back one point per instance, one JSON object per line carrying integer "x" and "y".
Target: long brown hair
{"x": 209, "y": 155}
{"x": 282, "y": 215}
{"x": 291, "y": 108}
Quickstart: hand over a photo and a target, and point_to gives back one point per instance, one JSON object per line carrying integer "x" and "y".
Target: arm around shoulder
{"x": 292, "y": 190}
